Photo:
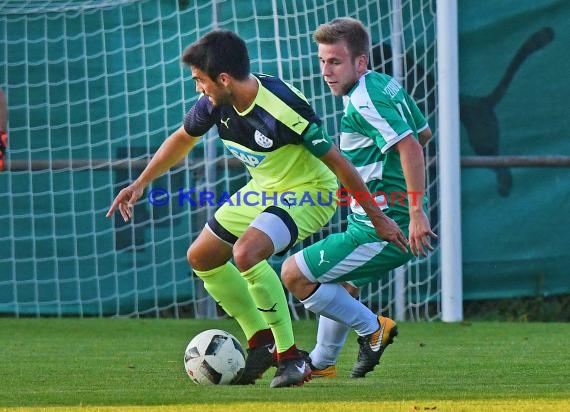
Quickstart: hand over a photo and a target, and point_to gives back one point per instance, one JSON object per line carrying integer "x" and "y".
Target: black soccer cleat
{"x": 258, "y": 361}
{"x": 372, "y": 347}
{"x": 291, "y": 372}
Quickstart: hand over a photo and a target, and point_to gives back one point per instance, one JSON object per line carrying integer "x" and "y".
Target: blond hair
{"x": 350, "y": 30}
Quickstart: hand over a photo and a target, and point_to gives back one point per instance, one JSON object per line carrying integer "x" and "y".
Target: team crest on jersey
{"x": 263, "y": 140}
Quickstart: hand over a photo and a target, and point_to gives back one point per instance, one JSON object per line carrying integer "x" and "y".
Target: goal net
{"x": 94, "y": 87}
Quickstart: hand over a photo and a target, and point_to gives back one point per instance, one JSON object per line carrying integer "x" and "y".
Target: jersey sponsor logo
{"x": 250, "y": 159}
{"x": 262, "y": 140}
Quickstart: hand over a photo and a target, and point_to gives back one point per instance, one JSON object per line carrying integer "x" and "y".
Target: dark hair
{"x": 220, "y": 51}
{"x": 348, "y": 29}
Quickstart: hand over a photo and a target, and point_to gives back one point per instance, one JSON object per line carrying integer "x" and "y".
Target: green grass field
{"x": 136, "y": 365}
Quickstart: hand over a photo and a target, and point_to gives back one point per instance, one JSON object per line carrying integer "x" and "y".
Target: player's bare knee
{"x": 200, "y": 256}
{"x": 287, "y": 275}
{"x": 246, "y": 257}
{"x": 291, "y": 276}
{"x": 242, "y": 258}
{"x": 193, "y": 258}
{"x": 250, "y": 249}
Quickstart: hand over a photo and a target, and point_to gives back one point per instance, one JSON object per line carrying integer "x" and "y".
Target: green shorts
{"x": 358, "y": 256}
{"x": 302, "y": 211}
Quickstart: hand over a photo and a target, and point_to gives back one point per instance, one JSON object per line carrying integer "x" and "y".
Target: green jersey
{"x": 278, "y": 138}
{"x": 378, "y": 113}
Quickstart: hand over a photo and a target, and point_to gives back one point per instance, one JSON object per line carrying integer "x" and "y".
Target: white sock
{"x": 334, "y": 302}
{"x": 331, "y": 336}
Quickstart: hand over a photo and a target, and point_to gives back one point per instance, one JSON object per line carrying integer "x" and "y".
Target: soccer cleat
{"x": 372, "y": 347}
{"x": 258, "y": 361}
{"x": 291, "y": 372}
{"x": 326, "y": 372}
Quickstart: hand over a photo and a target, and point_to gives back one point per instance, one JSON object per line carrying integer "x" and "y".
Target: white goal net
{"x": 94, "y": 87}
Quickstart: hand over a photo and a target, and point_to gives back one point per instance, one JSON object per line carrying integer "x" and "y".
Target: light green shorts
{"x": 303, "y": 211}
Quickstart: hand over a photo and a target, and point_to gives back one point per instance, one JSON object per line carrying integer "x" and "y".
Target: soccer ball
{"x": 214, "y": 357}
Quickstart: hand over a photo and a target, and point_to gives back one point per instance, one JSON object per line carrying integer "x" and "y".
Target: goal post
{"x": 93, "y": 89}
{"x": 450, "y": 173}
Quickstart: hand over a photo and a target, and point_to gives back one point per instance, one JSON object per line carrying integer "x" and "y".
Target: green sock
{"x": 267, "y": 292}
{"x": 226, "y": 285}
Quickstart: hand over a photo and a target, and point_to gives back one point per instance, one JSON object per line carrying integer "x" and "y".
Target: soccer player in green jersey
{"x": 380, "y": 129}
{"x": 271, "y": 128}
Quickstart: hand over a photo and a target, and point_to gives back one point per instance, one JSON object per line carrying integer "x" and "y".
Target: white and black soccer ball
{"x": 214, "y": 357}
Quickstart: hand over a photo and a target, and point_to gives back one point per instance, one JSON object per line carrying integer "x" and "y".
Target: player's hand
{"x": 389, "y": 230}
{"x": 125, "y": 201}
{"x": 420, "y": 234}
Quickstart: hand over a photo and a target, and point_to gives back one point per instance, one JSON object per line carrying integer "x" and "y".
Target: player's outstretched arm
{"x": 172, "y": 150}
{"x": 385, "y": 227}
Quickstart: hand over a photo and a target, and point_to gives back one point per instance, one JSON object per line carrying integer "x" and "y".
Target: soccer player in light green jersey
{"x": 272, "y": 129}
{"x": 380, "y": 130}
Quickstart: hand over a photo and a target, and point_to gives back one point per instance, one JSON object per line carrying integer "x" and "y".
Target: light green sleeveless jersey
{"x": 378, "y": 113}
